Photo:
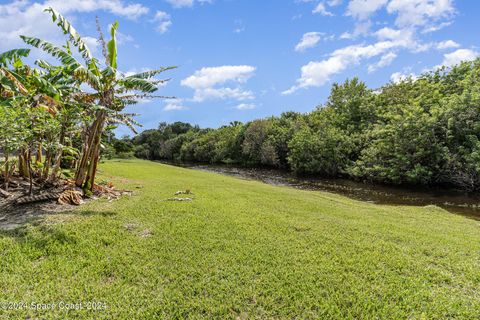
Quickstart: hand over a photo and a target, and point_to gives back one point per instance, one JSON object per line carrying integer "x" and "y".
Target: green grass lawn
{"x": 241, "y": 249}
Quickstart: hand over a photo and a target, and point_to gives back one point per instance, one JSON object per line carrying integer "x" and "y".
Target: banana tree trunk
{"x": 86, "y": 150}
{"x": 7, "y": 171}
{"x": 92, "y": 168}
{"x": 85, "y": 175}
{"x": 82, "y": 164}
{"x": 95, "y": 155}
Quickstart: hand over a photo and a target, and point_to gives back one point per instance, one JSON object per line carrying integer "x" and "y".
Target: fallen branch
{"x": 38, "y": 197}
{"x": 5, "y": 193}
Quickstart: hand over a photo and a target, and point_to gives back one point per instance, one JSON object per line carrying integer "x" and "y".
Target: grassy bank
{"x": 241, "y": 249}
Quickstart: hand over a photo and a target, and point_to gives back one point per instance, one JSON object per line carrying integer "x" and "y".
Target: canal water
{"x": 454, "y": 201}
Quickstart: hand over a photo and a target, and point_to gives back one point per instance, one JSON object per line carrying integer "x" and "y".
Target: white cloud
{"x": 457, "y": 56}
{"x": 207, "y": 77}
{"x": 384, "y": 61}
{"x": 246, "y": 106}
{"x": 362, "y": 9}
{"x": 412, "y": 19}
{"x": 20, "y": 17}
{"x": 318, "y": 73}
{"x": 393, "y": 34}
{"x": 174, "y": 105}
{"x": 186, "y": 3}
{"x": 419, "y": 12}
{"x": 222, "y": 94}
{"x": 406, "y": 37}
{"x": 447, "y": 44}
{"x": 320, "y": 8}
{"x": 309, "y": 40}
{"x": 209, "y": 83}
{"x": 437, "y": 26}
{"x": 410, "y": 14}
{"x": 163, "y": 20}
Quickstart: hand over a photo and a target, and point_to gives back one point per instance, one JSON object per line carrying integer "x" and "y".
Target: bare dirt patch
{"x": 18, "y": 208}
{"x": 13, "y": 215}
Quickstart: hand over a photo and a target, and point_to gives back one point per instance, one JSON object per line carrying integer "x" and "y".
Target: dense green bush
{"x": 324, "y": 152}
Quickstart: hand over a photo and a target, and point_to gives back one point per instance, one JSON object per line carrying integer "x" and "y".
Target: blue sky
{"x": 247, "y": 59}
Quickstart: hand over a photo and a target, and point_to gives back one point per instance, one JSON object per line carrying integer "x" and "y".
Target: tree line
{"x": 422, "y": 131}
{"x": 53, "y": 118}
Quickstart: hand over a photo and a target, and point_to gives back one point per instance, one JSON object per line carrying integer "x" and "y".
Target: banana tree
{"x": 12, "y": 94}
{"x": 30, "y": 103}
{"x": 112, "y": 90}
{"x": 69, "y": 114}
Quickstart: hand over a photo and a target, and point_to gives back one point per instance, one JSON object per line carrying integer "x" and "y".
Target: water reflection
{"x": 452, "y": 200}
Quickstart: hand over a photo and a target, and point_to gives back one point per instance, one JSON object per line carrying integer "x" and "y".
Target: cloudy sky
{"x": 246, "y": 59}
